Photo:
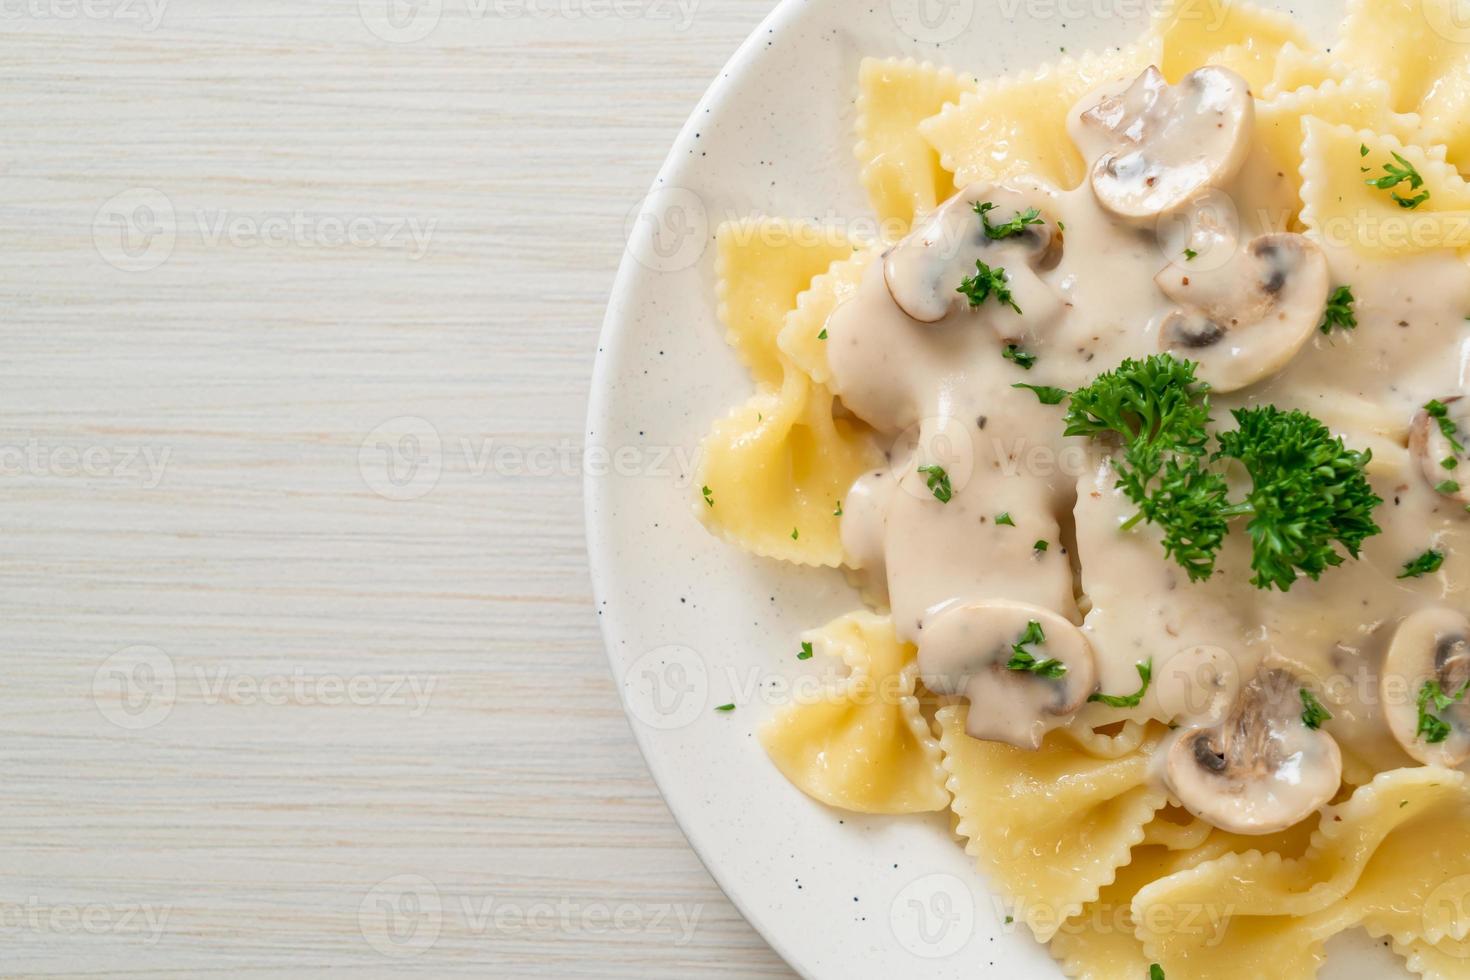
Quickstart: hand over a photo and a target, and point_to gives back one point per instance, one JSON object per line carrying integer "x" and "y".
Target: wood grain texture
{"x": 262, "y": 709}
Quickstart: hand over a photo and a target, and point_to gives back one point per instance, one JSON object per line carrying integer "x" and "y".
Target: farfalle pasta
{"x": 1140, "y": 421}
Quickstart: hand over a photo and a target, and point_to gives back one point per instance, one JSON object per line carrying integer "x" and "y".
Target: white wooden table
{"x": 300, "y": 670}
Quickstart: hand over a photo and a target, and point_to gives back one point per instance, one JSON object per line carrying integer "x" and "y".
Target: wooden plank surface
{"x": 300, "y": 671}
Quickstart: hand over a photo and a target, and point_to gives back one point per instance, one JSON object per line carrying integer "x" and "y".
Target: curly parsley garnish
{"x": 938, "y": 483}
{"x": 1313, "y": 714}
{"x": 1145, "y": 673}
{"x": 987, "y": 282}
{"x": 1396, "y": 174}
{"x": 1024, "y": 660}
{"x": 1432, "y": 728}
{"x": 1308, "y": 490}
{"x": 1015, "y": 226}
{"x": 1425, "y": 564}
{"x": 1339, "y": 311}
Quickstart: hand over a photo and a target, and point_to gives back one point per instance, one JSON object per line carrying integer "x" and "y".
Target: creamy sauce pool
{"x": 1034, "y": 518}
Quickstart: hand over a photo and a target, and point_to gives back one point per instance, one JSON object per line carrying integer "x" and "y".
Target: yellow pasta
{"x": 1240, "y": 36}
{"x": 1342, "y": 208}
{"x": 763, "y": 265}
{"x": 801, "y": 333}
{"x": 1380, "y": 860}
{"x": 1015, "y": 125}
{"x": 1298, "y": 67}
{"x": 861, "y": 744}
{"x": 901, "y": 172}
{"x": 1049, "y": 827}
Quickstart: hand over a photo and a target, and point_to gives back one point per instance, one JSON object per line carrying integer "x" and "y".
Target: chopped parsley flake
{"x": 725, "y": 707}
{"x": 1190, "y": 255}
{"x": 708, "y": 495}
{"x": 795, "y": 534}
{"x": 1156, "y": 972}
{"x": 987, "y": 282}
{"x": 1432, "y": 728}
{"x": 1339, "y": 310}
{"x": 1024, "y": 660}
{"x": 1440, "y": 412}
{"x": 1023, "y": 358}
{"x": 1449, "y": 462}
{"x": 1145, "y": 673}
{"x": 806, "y": 651}
{"x": 1045, "y": 394}
{"x": 1313, "y": 714}
{"x": 1040, "y": 545}
{"x": 838, "y": 511}
{"x": 823, "y": 334}
{"x": 1423, "y": 565}
{"x": 1396, "y": 174}
{"x": 1004, "y": 518}
{"x": 938, "y": 483}
{"x": 1015, "y": 226}
{"x": 1447, "y": 487}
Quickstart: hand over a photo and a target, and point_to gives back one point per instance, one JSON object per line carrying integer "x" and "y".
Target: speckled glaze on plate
{"x": 692, "y": 623}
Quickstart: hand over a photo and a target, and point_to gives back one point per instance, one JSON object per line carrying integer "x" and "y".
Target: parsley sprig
{"x": 938, "y": 483}
{"x": 1432, "y": 728}
{"x": 1339, "y": 312}
{"x": 1145, "y": 673}
{"x": 1024, "y": 660}
{"x": 985, "y": 283}
{"x": 1313, "y": 714}
{"x": 1396, "y": 174}
{"x": 1308, "y": 491}
{"x": 1425, "y": 564}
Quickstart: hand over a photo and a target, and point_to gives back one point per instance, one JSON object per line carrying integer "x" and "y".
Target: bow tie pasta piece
{"x": 1298, "y": 68}
{"x": 763, "y": 265}
{"x": 1359, "y": 103}
{"x": 1049, "y": 827}
{"x": 775, "y": 469}
{"x": 802, "y": 333}
{"x": 1015, "y": 125}
{"x": 1391, "y": 858}
{"x": 862, "y": 743}
{"x": 1342, "y": 208}
{"x": 900, "y": 171}
{"x": 1195, "y": 33}
{"x": 1446, "y": 960}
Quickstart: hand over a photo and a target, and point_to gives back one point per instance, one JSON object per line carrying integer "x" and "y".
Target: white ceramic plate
{"x": 692, "y": 623}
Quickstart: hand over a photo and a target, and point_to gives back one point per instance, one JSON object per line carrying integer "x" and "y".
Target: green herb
{"x": 1440, "y": 412}
{"x": 1432, "y": 728}
{"x": 1423, "y": 565}
{"x": 1363, "y": 150}
{"x": 838, "y": 511}
{"x": 1190, "y": 255}
{"x": 1015, "y": 226}
{"x": 708, "y": 496}
{"x": 1024, "y": 660}
{"x": 1308, "y": 491}
{"x": 725, "y": 707}
{"x": 987, "y": 282}
{"x": 1040, "y": 545}
{"x": 1340, "y": 310}
{"x": 1045, "y": 394}
{"x": 1010, "y": 919}
{"x": 1017, "y": 353}
{"x": 806, "y": 651}
{"x": 795, "y": 534}
{"x": 1005, "y": 519}
{"x": 1313, "y": 714}
{"x": 1447, "y": 487}
{"x": 823, "y": 334}
{"x": 938, "y": 483}
{"x": 1145, "y": 673}
{"x": 1394, "y": 175}
{"x": 1061, "y": 226}
{"x": 1155, "y": 972}
{"x": 1449, "y": 462}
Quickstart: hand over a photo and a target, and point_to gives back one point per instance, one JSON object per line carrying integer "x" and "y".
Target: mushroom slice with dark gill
{"x": 1262, "y": 769}
{"x": 1430, "y": 647}
{"x": 1161, "y": 145}
{"x": 1245, "y": 320}
{"x": 1436, "y": 438}
{"x": 1026, "y": 670}
{"x": 924, "y": 270}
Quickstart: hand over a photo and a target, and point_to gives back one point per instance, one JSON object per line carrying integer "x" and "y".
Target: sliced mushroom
{"x": 1430, "y": 445}
{"x": 972, "y": 650}
{"x": 1245, "y": 320}
{"x": 923, "y": 272}
{"x": 1262, "y": 769}
{"x": 1162, "y": 144}
{"x": 1430, "y": 646}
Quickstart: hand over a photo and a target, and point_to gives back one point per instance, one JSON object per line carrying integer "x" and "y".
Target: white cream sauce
{"x": 944, "y": 388}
